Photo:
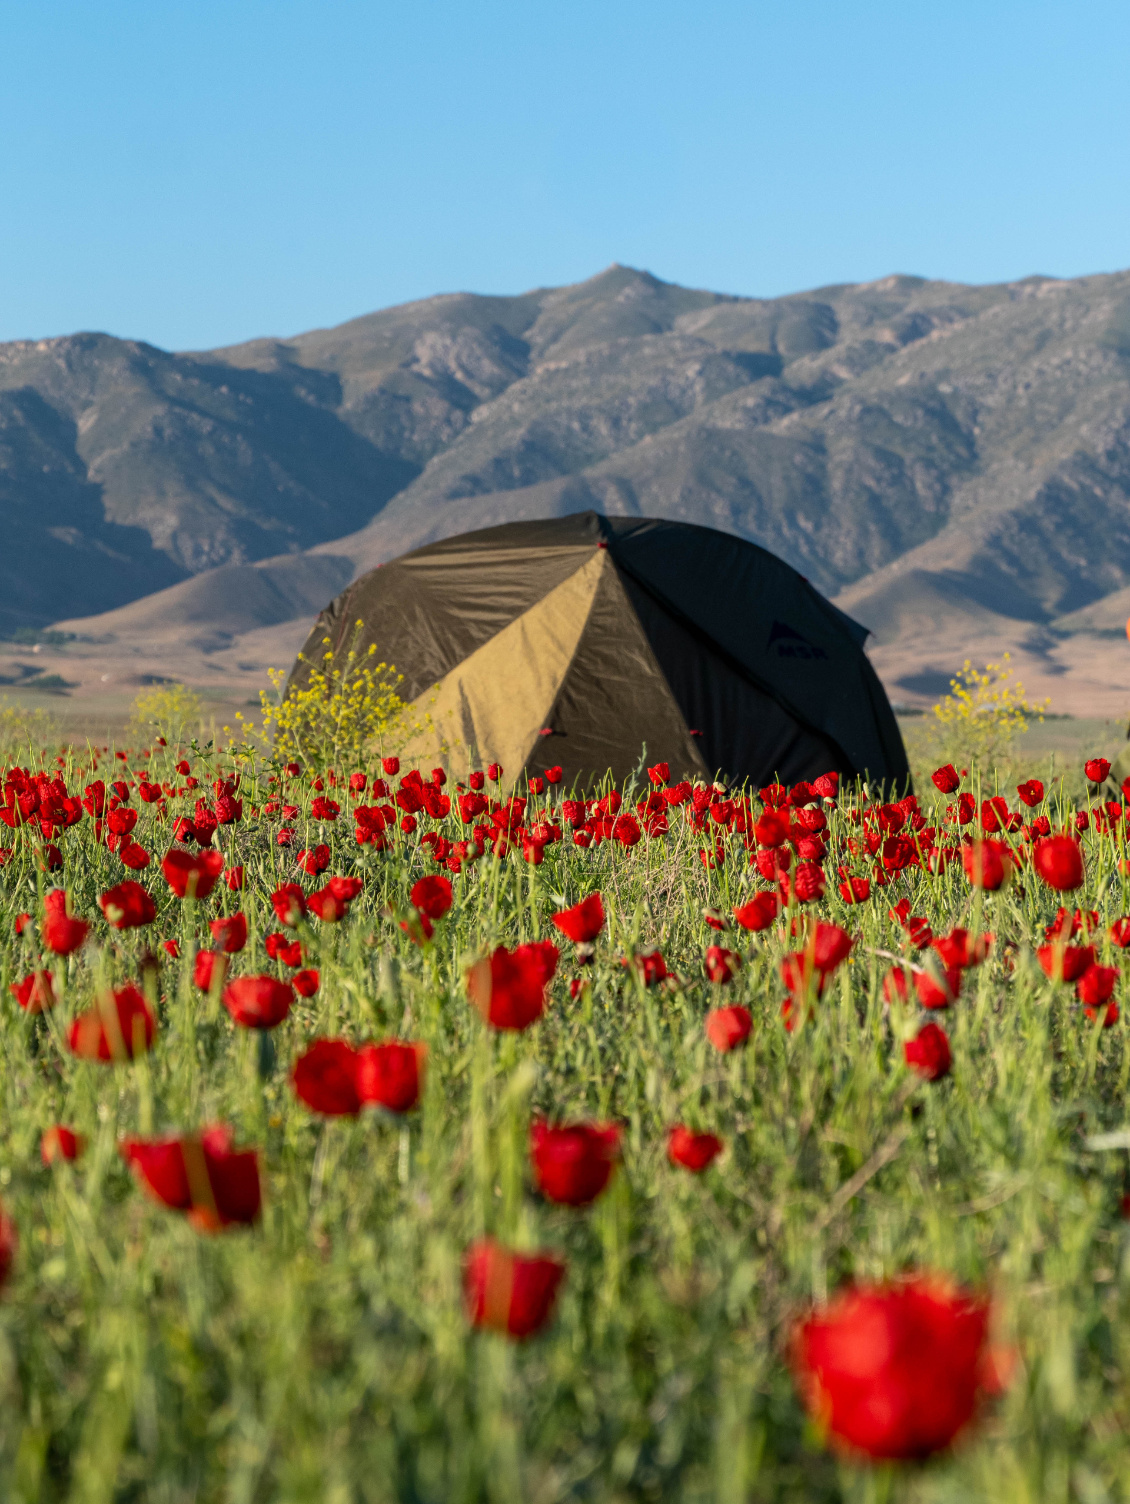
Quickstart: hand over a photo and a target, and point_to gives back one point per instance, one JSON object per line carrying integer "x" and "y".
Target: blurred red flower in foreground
{"x": 650, "y": 967}
{"x": 337, "y": 1080}
{"x": 118, "y": 1027}
{"x": 987, "y": 864}
{"x": 759, "y": 913}
{"x": 726, "y": 1028}
{"x": 574, "y": 1163}
{"x": 331, "y": 903}
{"x": 200, "y": 1174}
{"x": 209, "y": 969}
{"x": 192, "y": 876}
{"x": 230, "y": 934}
{"x": 1059, "y": 861}
{"x": 959, "y": 949}
{"x": 60, "y": 1143}
{"x": 694, "y": 1151}
{"x": 61, "y": 933}
{"x": 1065, "y": 963}
{"x": 432, "y": 896}
{"x": 584, "y": 921}
{"x": 928, "y": 1052}
{"x": 35, "y": 992}
{"x": 722, "y": 965}
{"x": 895, "y": 1371}
{"x": 509, "y": 987}
{"x": 509, "y": 1292}
{"x": 258, "y": 1002}
{"x": 9, "y": 1242}
{"x": 289, "y": 904}
{"x": 128, "y": 906}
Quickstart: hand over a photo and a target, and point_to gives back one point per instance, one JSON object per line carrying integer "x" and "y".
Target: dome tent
{"x": 575, "y": 641}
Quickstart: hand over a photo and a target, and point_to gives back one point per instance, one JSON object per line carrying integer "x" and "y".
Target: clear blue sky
{"x": 199, "y": 173}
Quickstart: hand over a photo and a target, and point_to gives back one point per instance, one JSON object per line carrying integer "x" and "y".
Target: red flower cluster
{"x": 200, "y": 1174}
{"x": 337, "y": 1080}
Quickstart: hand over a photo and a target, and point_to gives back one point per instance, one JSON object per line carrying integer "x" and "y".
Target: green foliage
{"x": 324, "y": 1355}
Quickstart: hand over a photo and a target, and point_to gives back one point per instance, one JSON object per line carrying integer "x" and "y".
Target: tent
{"x": 575, "y": 641}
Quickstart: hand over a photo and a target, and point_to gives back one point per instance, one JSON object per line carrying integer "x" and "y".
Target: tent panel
{"x": 745, "y": 732}
{"x": 769, "y": 622}
{"x": 613, "y": 700}
{"x": 429, "y": 610}
{"x": 493, "y": 705}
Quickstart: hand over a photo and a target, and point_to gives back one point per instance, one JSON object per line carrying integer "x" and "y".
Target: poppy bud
{"x": 694, "y": 1151}
{"x": 726, "y": 1028}
{"x": 509, "y": 1292}
{"x": 573, "y": 1164}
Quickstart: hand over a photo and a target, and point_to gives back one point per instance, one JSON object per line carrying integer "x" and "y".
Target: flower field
{"x": 370, "y": 1138}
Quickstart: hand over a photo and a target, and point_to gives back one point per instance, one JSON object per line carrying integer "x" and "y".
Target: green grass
{"x": 324, "y": 1355}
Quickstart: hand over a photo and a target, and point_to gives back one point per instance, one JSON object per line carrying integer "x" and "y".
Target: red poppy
{"x": 133, "y": 856}
{"x": 128, "y": 906}
{"x": 1096, "y": 985}
{"x": 289, "y": 903}
{"x": 234, "y": 878}
{"x": 958, "y": 948}
{"x": 987, "y": 864}
{"x": 509, "y": 1292}
{"x": 574, "y": 1163}
{"x": 584, "y": 921}
{"x": 808, "y": 882}
{"x": 1065, "y": 963}
{"x": 192, "y": 876}
{"x": 230, "y": 934}
{"x": 855, "y": 890}
{"x": 650, "y": 967}
{"x": 722, "y": 965}
{"x": 314, "y": 860}
{"x": 726, "y": 1028}
{"x": 35, "y": 993}
{"x": 9, "y": 1242}
{"x": 61, "y": 933}
{"x": 331, "y": 903}
{"x": 928, "y": 1052}
{"x": 937, "y": 991}
{"x": 209, "y": 969}
{"x": 494, "y": 772}
{"x": 306, "y": 983}
{"x": 509, "y": 987}
{"x": 694, "y": 1151}
{"x": 1096, "y": 769}
{"x": 200, "y": 1174}
{"x": 391, "y": 1075}
{"x": 759, "y": 913}
{"x": 118, "y": 1027}
{"x": 432, "y": 896}
{"x": 1059, "y": 861}
{"x": 894, "y": 1371}
{"x": 1120, "y": 933}
{"x": 553, "y": 775}
{"x": 1030, "y": 792}
{"x": 60, "y": 1143}
{"x": 830, "y": 945}
{"x": 390, "y": 766}
{"x": 325, "y": 1078}
{"x": 945, "y": 779}
{"x": 258, "y": 1002}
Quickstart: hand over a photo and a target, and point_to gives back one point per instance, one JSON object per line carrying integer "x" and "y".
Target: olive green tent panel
{"x": 712, "y": 652}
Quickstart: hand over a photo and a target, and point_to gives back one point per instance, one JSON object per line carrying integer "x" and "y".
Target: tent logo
{"x": 790, "y": 644}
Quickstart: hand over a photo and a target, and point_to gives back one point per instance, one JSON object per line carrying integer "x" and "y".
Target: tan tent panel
{"x": 580, "y": 641}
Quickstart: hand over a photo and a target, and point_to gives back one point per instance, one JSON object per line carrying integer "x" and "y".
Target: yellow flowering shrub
{"x": 340, "y": 714}
{"x": 984, "y": 711}
{"x": 172, "y": 710}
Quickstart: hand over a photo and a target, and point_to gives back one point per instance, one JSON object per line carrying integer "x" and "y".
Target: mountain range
{"x": 950, "y": 463}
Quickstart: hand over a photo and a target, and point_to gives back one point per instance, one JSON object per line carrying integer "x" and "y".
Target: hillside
{"x": 952, "y": 463}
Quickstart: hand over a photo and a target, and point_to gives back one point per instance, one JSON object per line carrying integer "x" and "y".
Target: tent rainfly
{"x": 575, "y": 641}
